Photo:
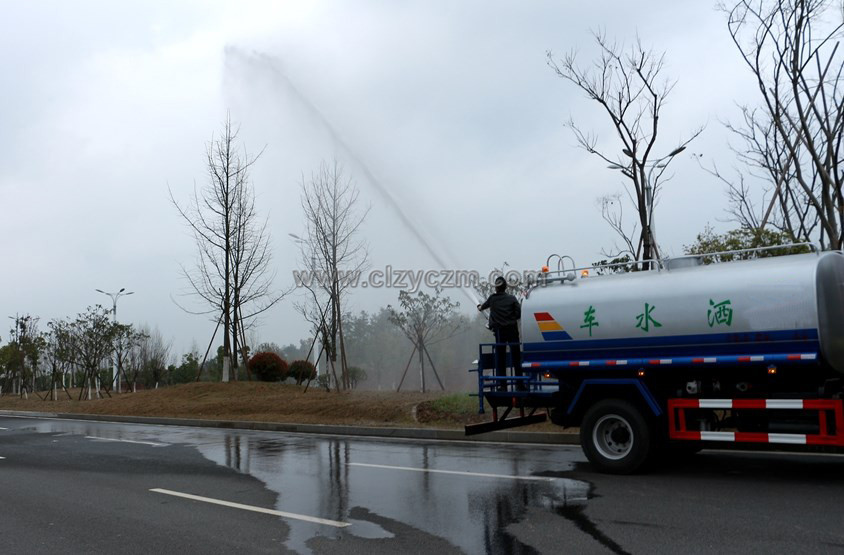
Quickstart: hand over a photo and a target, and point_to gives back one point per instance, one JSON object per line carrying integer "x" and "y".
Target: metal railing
{"x": 811, "y": 247}
{"x": 569, "y": 274}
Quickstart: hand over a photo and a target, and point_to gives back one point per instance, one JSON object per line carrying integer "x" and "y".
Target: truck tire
{"x": 615, "y": 437}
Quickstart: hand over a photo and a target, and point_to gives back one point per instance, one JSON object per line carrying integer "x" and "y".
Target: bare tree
{"x": 629, "y": 87}
{"x": 318, "y": 311}
{"x": 333, "y": 255}
{"x": 129, "y": 347}
{"x": 252, "y": 276}
{"x": 612, "y": 211}
{"x": 232, "y": 275}
{"x": 424, "y": 319}
{"x": 58, "y": 357}
{"x": 793, "y": 138}
{"x": 89, "y": 343}
{"x": 156, "y": 354}
{"x": 22, "y": 355}
{"x": 146, "y": 356}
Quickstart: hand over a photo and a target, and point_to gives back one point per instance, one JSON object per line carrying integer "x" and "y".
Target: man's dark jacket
{"x": 504, "y": 310}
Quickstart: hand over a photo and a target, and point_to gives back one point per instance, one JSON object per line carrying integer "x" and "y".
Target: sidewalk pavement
{"x": 503, "y": 436}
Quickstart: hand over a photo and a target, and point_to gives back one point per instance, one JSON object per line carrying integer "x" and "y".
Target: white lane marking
{"x": 457, "y": 472}
{"x": 4, "y": 428}
{"x": 252, "y": 508}
{"x": 2, "y": 458}
{"x": 129, "y": 441}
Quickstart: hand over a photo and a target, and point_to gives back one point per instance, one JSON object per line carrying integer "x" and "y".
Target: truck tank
{"x": 778, "y": 305}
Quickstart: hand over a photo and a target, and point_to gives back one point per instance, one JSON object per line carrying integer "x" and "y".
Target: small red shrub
{"x": 268, "y": 367}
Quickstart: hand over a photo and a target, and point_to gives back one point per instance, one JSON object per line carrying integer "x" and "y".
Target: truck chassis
{"x": 632, "y": 411}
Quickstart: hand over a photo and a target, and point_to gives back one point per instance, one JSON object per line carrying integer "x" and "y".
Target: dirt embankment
{"x": 268, "y": 402}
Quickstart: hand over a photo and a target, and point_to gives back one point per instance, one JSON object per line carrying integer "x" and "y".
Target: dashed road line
{"x": 457, "y": 472}
{"x": 154, "y": 444}
{"x": 313, "y": 519}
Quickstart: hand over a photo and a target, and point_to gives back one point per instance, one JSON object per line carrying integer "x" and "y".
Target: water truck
{"x": 684, "y": 355}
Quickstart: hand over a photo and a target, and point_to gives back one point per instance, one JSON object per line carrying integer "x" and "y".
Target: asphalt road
{"x": 88, "y": 487}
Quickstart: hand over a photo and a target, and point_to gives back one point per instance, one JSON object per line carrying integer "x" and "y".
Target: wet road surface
{"x": 77, "y": 486}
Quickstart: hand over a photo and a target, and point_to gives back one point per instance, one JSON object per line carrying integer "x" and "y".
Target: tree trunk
{"x": 420, "y": 347}
{"x": 234, "y": 339}
{"x": 334, "y": 373}
{"x": 344, "y": 366}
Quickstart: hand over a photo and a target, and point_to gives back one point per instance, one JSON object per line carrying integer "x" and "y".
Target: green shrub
{"x": 302, "y": 371}
{"x": 356, "y": 375}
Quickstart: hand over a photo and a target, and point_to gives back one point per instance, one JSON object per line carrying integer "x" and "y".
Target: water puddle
{"x": 564, "y": 494}
{"x": 368, "y": 530}
{"x": 452, "y": 497}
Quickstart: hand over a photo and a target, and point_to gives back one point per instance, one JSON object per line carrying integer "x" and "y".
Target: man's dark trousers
{"x": 507, "y": 334}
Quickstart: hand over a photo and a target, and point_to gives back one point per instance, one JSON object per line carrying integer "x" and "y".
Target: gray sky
{"x": 450, "y": 105}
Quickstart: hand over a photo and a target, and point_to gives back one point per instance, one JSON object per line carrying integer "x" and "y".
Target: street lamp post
{"x": 114, "y": 297}
{"x": 648, "y": 185}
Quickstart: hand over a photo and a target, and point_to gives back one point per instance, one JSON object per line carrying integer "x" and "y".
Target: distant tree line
{"x": 82, "y": 353}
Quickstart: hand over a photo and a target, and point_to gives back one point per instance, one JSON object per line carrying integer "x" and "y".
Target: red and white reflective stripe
{"x": 797, "y": 404}
{"x": 718, "y": 436}
{"x": 793, "y": 439}
{"x": 798, "y": 439}
{"x": 784, "y": 404}
{"x": 830, "y": 420}
{"x": 669, "y": 361}
{"x": 715, "y": 403}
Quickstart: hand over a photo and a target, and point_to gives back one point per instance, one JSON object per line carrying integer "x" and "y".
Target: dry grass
{"x": 269, "y": 402}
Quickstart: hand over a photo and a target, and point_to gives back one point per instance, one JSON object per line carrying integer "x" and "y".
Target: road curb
{"x": 552, "y": 438}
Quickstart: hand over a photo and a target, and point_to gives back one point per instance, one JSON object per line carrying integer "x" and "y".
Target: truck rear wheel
{"x": 615, "y": 437}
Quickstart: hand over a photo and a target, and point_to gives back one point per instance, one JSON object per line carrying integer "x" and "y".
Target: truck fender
{"x": 643, "y": 390}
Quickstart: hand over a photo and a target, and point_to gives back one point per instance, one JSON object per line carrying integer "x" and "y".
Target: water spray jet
{"x": 272, "y": 64}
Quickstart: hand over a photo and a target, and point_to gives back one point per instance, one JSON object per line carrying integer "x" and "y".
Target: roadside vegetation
{"x": 275, "y": 402}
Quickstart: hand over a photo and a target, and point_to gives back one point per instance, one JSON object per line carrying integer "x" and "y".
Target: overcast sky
{"x": 449, "y": 105}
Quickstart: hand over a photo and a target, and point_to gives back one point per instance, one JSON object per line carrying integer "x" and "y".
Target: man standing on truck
{"x": 504, "y": 314}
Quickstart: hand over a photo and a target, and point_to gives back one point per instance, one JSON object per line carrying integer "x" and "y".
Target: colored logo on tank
{"x": 551, "y": 329}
